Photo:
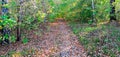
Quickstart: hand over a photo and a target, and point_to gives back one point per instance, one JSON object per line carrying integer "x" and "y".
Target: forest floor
{"x": 102, "y": 40}
{"x": 58, "y": 41}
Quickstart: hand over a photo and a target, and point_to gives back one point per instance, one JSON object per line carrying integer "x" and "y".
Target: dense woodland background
{"x": 94, "y": 22}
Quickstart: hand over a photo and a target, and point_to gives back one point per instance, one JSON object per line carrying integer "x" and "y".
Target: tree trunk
{"x": 19, "y": 21}
{"x": 44, "y": 10}
{"x": 93, "y": 15}
{"x": 93, "y": 7}
{"x": 112, "y": 12}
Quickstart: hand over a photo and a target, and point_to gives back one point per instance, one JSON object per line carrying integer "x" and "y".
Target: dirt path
{"x": 61, "y": 42}
{"x": 58, "y": 42}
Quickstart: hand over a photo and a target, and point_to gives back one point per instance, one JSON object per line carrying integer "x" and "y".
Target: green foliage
{"x": 103, "y": 39}
{"x": 1, "y": 38}
{"x": 35, "y": 12}
{"x": 12, "y": 39}
{"x": 11, "y": 52}
{"x": 81, "y": 10}
{"x": 83, "y": 40}
{"x": 118, "y": 39}
{"x": 25, "y": 40}
{"x": 119, "y": 48}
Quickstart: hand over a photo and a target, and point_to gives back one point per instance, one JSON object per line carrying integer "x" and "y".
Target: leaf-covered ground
{"x": 58, "y": 41}
{"x": 102, "y": 40}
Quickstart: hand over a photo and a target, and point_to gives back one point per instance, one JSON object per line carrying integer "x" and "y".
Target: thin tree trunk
{"x": 112, "y": 12}
{"x": 93, "y": 7}
{"x": 93, "y": 14}
{"x": 44, "y": 10}
{"x": 19, "y": 21}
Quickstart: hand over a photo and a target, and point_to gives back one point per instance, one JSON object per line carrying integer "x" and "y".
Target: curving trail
{"x": 59, "y": 41}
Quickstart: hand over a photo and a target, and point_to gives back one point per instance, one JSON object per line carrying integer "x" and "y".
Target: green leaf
{"x": 25, "y": 40}
{"x": 106, "y": 40}
{"x": 12, "y": 38}
{"x": 119, "y": 39}
{"x": 119, "y": 48}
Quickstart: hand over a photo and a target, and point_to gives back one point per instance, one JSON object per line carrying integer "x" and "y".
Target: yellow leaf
{"x": 16, "y": 55}
{"x": 50, "y": 11}
{"x": 74, "y": 4}
{"x": 1, "y": 27}
{"x": 1, "y": 20}
{"x": 43, "y": 15}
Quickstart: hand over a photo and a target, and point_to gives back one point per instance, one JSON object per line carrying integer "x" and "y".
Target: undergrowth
{"x": 98, "y": 41}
